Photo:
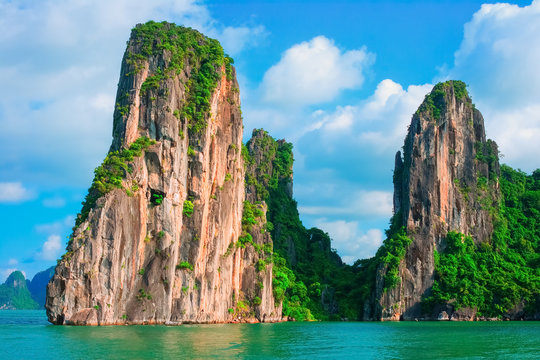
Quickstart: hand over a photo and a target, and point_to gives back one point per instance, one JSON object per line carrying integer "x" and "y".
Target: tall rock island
{"x": 163, "y": 235}
{"x": 185, "y": 224}
{"x": 445, "y": 180}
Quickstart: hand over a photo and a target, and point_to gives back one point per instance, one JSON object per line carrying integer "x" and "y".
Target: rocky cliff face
{"x": 307, "y": 253}
{"x": 441, "y": 184}
{"x": 269, "y": 177}
{"x": 157, "y": 240}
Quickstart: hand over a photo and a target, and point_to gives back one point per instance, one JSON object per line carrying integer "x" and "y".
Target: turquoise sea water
{"x": 27, "y": 335}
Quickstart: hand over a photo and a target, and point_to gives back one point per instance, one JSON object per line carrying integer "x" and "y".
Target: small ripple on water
{"x": 28, "y": 333}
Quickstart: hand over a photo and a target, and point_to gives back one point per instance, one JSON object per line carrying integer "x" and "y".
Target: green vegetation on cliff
{"x": 390, "y": 254}
{"x": 357, "y": 283}
{"x": 182, "y": 49}
{"x": 361, "y": 295}
{"x": 292, "y": 293}
{"x": 504, "y": 275}
{"x": 109, "y": 175}
{"x": 434, "y": 104}
{"x": 308, "y": 274}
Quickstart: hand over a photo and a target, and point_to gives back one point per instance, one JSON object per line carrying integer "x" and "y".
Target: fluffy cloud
{"x": 517, "y": 132}
{"x": 57, "y": 226}
{"x": 341, "y": 155}
{"x": 59, "y": 69}
{"x": 51, "y": 248}
{"x": 313, "y": 72}
{"x": 499, "y": 58}
{"x": 380, "y": 121}
{"x": 236, "y": 39}
{"x": 344, "y": 162}
{"x": 360, "y": 203}
{"x": 366, "y": 135}
{"x": 350, "y": 242}
{"x": 14, "y": 192}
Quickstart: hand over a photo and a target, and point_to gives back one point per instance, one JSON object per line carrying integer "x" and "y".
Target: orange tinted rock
{"x": 126, "y": 255}
{"x": 436, "y": 190}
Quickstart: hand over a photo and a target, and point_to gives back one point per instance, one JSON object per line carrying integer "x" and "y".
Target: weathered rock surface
{"x": 142, "y": 256}
{"x": 443, "y": 316}
{"x": 436, "y": 190}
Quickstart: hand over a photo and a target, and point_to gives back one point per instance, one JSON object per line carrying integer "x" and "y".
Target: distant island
{"x": 183, "y": 223}
{"x": 17, "y": 293}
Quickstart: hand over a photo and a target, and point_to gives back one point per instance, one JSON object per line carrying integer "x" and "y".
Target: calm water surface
{"x": 27, "y": 335}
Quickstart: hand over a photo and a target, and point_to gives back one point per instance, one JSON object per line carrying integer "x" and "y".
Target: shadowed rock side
{"x": 38, "y": 286}
{"x": 159, "y": 243}
{"x": 315, "y": 268}
{"x": 436, "y": 190}
{"x": 266, "y": 173}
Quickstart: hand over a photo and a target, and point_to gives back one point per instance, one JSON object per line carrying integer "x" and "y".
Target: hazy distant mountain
{"x": 14, "y": 293}
{"x": 38, "y": 285}
{"x": 17, "y": 293}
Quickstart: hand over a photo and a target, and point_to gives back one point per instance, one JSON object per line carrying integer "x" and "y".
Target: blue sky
{"x": 340, "y": 79}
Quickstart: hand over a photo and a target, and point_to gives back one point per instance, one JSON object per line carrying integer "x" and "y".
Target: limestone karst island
{"x": 183, "y": 223}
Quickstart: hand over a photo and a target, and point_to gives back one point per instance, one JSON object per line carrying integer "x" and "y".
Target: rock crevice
{"x": 446, "y": 181}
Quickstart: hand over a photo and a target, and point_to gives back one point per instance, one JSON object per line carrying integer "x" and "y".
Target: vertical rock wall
{"x": 438, "y": 187}
{"x": 161, "y": 247}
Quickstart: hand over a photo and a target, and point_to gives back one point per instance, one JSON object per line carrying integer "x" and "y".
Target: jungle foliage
{"x": 496, "y": 277}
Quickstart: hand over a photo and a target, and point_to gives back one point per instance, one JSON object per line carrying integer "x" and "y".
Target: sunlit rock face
{"x": 160, "y": 245}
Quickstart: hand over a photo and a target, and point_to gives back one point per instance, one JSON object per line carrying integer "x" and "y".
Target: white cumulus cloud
{"x": 236, "y": 39}
{"x": 51, "y": 248}
{"x": 499, "y": 58}
{"x": 59, "y": 70}
{"x": 343, "y": 155}
{"x": 350, "y": 242}
{"x": 380, "y": 121}
{"x": 315, "y": 71}
{"x": 14, "y": 192}
{"x": 360, "y": 203}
